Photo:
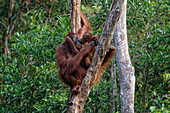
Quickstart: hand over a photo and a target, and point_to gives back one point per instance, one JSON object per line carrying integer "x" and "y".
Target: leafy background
{"x": 28, "y": 77}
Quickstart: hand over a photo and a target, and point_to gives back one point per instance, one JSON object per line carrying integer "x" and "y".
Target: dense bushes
{"x": 29, "y": 80}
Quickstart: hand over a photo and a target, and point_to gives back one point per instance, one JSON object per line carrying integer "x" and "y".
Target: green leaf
{"x": 152, "y": 108}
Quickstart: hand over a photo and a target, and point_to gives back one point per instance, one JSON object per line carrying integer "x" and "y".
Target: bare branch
{"x": 29, "y": 11}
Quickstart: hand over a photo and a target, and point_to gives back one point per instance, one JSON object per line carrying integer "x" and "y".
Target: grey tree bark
{"x": 74, "y": 7}
{"x": 113, "y": 95}
{"x": 125, "y": 68}
{"x": 104, "y": 42}
{"x": 112, "y": 91}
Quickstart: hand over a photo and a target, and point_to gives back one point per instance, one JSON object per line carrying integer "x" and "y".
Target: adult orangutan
{"x": 70, "y": 70}
{"x": 75, "y": 54}
{"x": 69, "y": 56}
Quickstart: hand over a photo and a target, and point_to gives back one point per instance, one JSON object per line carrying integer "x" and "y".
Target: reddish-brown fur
{"x": 70, "y": 70}
{"x": 72, "y": 61}
{"x": 69, "y": 57}
{"x": 86, "y": 62}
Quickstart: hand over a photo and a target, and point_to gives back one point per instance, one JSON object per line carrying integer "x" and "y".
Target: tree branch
{"x": 99, "y": 55}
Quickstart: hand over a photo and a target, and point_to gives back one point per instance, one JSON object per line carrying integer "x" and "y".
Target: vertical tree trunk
{"x": 74, "y": 7}
{"x": 104, "y": 41}
{"x": 115, "y": 99}
{"x": 7, "y": 33}
{"x": 78, "y": 101}
{"x": 113, "y": 95}
{"x": 6, "y": 49}
{"x": 144, "y": 86}
{"x": 125, "y": 68}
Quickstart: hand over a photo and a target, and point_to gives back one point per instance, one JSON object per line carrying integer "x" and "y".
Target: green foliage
{"x": 100, "y": 97}
{"x": 29, "y": 80}
{"x": 148, "y": 32}
{"x": 160, "y": 104}
{"x": 23, "y": 11}
{"x": 24, "y": 88}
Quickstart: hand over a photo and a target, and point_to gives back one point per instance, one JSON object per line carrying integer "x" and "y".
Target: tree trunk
{"x": 104, "y": 41}
{"x": 74, "y": 7}
{"x": 10, "y": 27}
{"x": 113, "y": 95}
{"x": 6, "y": 49}
{"x": 7, "y": 34}
{"x": 125, "y": 68}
